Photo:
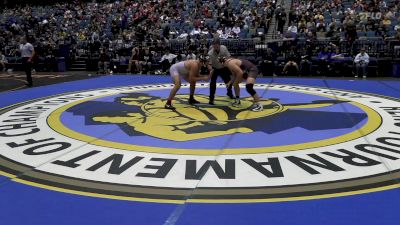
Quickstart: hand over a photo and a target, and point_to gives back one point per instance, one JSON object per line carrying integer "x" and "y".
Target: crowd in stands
{"x": 348, "y": 28}
{"x": 140, "y": 33}
{"x": 344, "y": 19}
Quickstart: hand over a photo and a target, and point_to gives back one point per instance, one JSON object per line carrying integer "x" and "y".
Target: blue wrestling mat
{"x": 105, "y": 151}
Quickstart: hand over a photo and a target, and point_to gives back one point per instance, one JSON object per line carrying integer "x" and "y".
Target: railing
{"x": 247, "y": 47}
{"x": 254, "y": 47}
{"x": 377, "y": 48}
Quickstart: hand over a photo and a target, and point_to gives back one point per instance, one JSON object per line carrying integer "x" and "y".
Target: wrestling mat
{"x": 104, "y": 151}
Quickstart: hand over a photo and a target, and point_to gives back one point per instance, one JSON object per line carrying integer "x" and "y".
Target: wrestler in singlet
{"x": 179, "y": 69}
{"x": 248, "y": 68}
{"x": 249, "y": 71}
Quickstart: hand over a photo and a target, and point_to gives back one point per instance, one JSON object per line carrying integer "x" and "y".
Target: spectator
{"x": 281, "y": 17}
{"x": 195, "y": 31}
{"x": 361, "y": 63}
{"x": 386, "y": 23}
{"x": 50, "y": 57}
{"x": 3, "y": 61}
{"x": 236, "y": 29}
{"x": 167, "y": 60}
{"x": 306, "y": 60}
{"x": 292, "y": 16}
{"x": 319, "y": 22}
{"x": 350, "y": 32}
{"x": 397, "y": 35}
{"x": 291, "y": 68}
{"x": 302, "y": 25}
{"x": 323, "y": 59}
{"x": 134, "y": 60}
{"x": 115, "y": 63}
{"x": 292, "y": 30}
{"x": 181, "y": 56}
{"x": 397, "y": 27}
{"x": 104, "y": 62}
{"x": 146, "y": 61}
{"x": 190, "y": 55}
{"x": 332, "y": 29}
{"x": 268, "y": 60}
{"x": 337, "y": 62}
{"x": 83, "y": 26}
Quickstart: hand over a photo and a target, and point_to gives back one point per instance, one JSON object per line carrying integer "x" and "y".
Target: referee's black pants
{"x": 225, "y": 74}
{"x": 28, "y": 70}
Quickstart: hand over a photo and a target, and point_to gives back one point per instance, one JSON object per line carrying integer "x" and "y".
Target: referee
{"x": 27, "y": 53}
{"x": 217, "y": 50}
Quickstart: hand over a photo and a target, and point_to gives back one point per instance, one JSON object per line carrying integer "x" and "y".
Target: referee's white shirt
{"x": 26, "y": 50}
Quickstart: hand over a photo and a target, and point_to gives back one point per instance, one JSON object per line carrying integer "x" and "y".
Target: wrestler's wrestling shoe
{"x": 257, "y": 107}
{"x": 236, "y": 103}
{"x": 169, "y": 106}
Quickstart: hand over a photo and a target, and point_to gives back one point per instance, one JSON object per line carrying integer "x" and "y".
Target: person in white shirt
{"x": 183, "y": 35}
{"x": 292, "y": 29}
{"x": 397, "y": 27}
{"x": 228, "y": 30}
{"x": 361, "y": 62}
{"x": 236, "y": 29}
{"x": 382, "y": 4}
{"x": 95, "y": 37}
{"x": 220, "y": 32}
{"x": 246, "y": 12}
{"x": 167, "y": 60}
{"x": 27, "y": 53}
{"x": 190, "y": 55}
{"x": 195, "y": 31}
{"x": 224, "y": 36}
{"x": 3, "y": 61}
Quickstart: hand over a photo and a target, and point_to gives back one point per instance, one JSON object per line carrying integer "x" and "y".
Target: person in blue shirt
{"x": 338, "y": 62}
{"x": 323, "y": 59}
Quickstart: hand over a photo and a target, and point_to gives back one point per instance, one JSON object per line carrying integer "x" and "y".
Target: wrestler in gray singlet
{"x": 178, "y": 69}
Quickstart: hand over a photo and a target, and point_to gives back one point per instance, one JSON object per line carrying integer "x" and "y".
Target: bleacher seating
{"x": 119, "y": 27}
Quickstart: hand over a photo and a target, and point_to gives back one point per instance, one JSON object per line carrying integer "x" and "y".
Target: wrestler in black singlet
{"x": 248, "y": 68}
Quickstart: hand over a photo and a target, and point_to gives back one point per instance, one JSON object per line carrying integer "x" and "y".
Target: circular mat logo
{"x": 309, "y": 142}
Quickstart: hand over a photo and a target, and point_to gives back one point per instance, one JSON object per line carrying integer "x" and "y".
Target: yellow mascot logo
{"x": 192, "y": 122}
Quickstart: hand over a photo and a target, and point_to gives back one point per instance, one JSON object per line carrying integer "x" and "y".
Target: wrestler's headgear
{"x": 204, "y": 58}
